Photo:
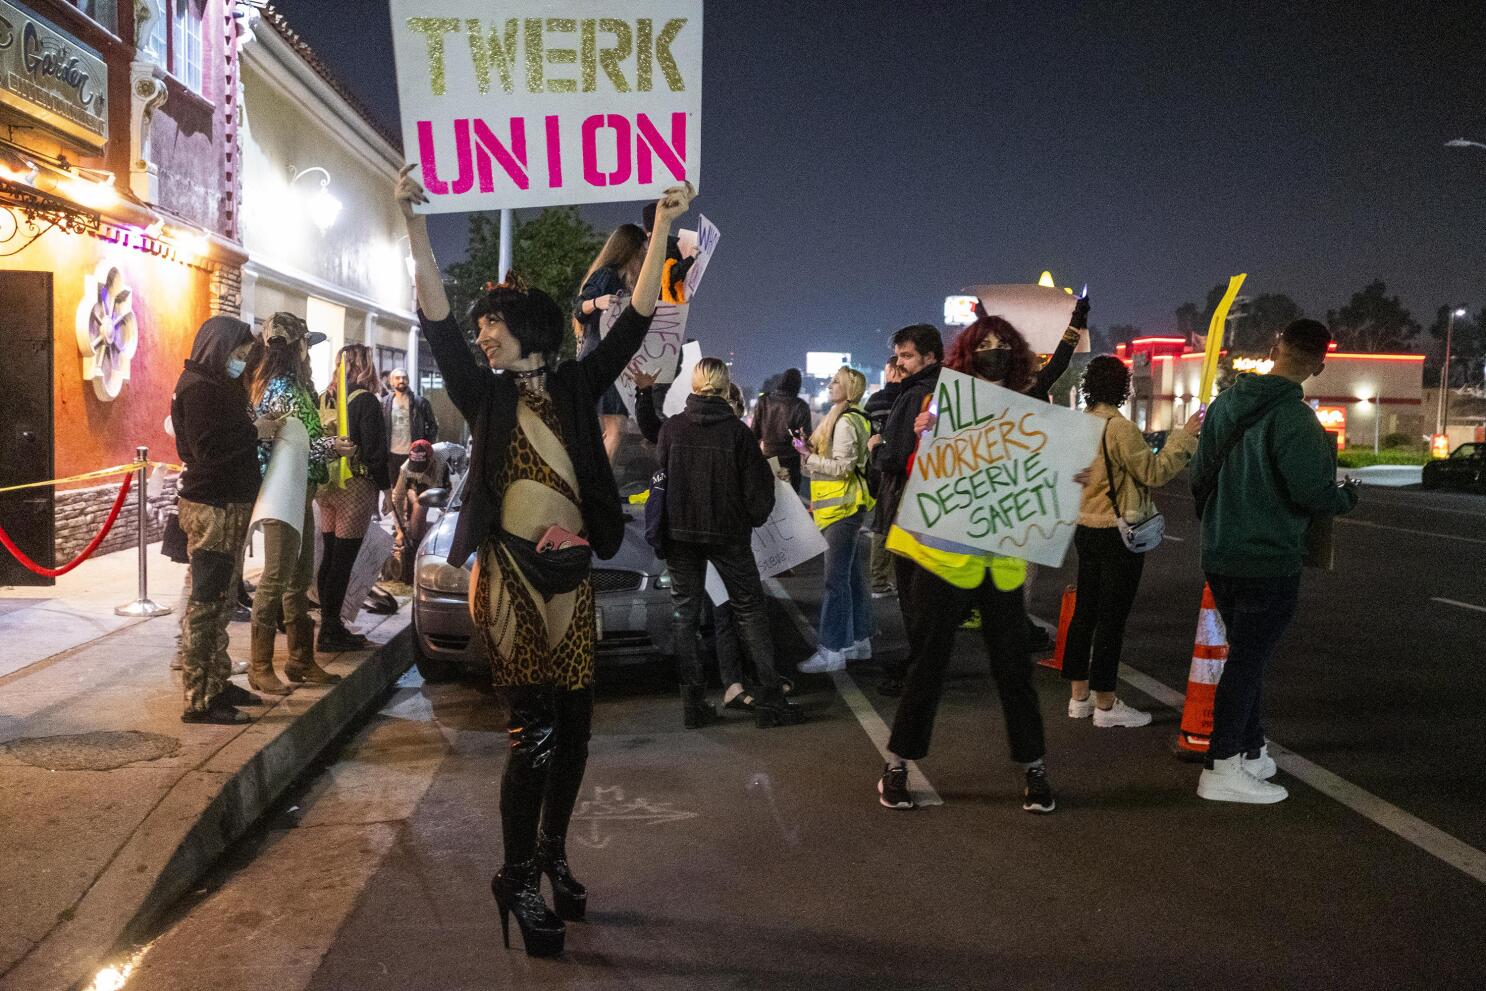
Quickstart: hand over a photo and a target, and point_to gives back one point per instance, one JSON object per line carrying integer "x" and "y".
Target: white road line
{"x": 1463, "y": 605}
{"x": 859, "y": 704}
{"x": 1431, "y": 839}
{"x": 1403, "y": 529}
{"x": 1172, "y": 536}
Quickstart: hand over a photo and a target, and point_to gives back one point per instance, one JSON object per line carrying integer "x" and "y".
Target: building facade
{"x": 119, "y": 213}
{"x": 323, "y": 237}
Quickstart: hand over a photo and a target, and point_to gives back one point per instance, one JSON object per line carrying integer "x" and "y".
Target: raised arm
{"x": 672, "y": 205}
{"x": 466, "y": 379}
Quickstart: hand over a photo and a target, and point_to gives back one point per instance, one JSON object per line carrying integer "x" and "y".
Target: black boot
{"x": 776, "y": 710}
{"x": 696, "y": 711}
{"x": 516, "y": 889}
{"x": 564, "y": 781}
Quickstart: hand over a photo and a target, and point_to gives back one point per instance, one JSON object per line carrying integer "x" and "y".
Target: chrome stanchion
{"x": 142, "y": 606}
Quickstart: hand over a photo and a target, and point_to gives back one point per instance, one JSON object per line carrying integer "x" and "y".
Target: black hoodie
{"x": 214, "y": 432}
{"x": 718, "y": 485}
{"x": 899, "y": 441}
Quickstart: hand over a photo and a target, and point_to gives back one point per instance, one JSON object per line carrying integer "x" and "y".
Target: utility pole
{"x": 1442, "y": 410}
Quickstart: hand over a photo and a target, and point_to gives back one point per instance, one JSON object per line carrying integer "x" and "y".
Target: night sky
{"x": 863, "y": 162}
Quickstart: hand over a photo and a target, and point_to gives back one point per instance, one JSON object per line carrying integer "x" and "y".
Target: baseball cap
{"x": 420, "y": 451}
{"x": 287, "y": 326}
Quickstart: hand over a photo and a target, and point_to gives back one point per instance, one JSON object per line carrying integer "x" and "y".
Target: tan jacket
{"x": 1136, "y": 468}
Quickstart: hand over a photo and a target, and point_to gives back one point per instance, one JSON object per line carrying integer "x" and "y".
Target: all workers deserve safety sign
{"x": 532, "y": 103}
{"x": 995, "y": 473}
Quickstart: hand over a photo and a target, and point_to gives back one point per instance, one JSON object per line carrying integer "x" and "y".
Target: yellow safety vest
{"x": 960, "y": 566}
{"x": 833, "y": 500}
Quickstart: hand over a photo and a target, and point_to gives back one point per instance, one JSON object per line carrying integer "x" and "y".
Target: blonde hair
{"x": 710, "y": 377}
{"x": 856, "y": 387}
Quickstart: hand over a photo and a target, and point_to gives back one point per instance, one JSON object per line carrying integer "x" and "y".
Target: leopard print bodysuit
{"x": 512, "y": 618}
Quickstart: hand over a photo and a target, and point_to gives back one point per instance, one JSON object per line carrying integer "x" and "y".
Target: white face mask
{"x": 236, "y": 366}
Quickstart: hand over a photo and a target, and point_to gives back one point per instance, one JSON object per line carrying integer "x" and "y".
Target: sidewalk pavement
{"x": 111, "y": 808}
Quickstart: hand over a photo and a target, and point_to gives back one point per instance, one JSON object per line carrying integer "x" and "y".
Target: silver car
{"x": 632, "y": 597}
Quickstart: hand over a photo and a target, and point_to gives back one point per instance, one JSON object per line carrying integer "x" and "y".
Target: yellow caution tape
{"x": 86, "y": 476}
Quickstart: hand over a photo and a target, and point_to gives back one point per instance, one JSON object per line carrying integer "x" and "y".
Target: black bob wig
{"x": 533, "y": 317}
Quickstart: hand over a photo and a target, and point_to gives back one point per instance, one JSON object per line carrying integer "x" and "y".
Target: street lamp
{"x": 1377, "y": 414}
{"x": 1442, "y": 411}
{"x": 325, "y": 209}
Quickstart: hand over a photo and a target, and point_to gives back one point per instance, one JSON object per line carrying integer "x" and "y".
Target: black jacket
{"x": 213, "y": 421}
{"x": 369, "y": 433}
{"x": 718, "y": 485}
{"x": 487, "y": 400}
{"x": 774, "y": 417}
{"x": 890, "y": 459}
{"x": 880, "y": 404}
{"x": 421, "y": 421}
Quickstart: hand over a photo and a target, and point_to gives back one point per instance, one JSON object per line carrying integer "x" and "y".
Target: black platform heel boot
{"x": 516, "y": 889}
{"x": 564, "y": 782}
{"x": 696, "y": 711}
{"x": 517, "y": 885}
{"x": 775, "y": 710}
{"x": 569, "y": 897}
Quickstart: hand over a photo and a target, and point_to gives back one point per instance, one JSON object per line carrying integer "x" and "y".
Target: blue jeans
{"x": 1256, "y": 612}
{"x": 846, "y": 609}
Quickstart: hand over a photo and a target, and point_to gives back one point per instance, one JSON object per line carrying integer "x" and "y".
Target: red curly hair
{"x": 1024, "y": 362}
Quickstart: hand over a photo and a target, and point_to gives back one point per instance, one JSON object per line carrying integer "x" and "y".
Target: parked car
{"x": 1464, "y": 468}
{"x": 632, "y": 598}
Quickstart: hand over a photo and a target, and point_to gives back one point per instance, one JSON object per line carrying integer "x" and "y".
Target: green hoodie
{"x": 1279, "y": 475}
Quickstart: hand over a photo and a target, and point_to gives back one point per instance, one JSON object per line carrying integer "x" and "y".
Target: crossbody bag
{"x": 1137, "y": 537}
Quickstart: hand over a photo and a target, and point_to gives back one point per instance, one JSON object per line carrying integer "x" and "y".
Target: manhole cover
{"x": 90, "y": 751}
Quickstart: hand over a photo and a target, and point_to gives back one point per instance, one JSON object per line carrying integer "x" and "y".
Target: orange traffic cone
{"x": 1065, "y": 616}
{"x": 1209, "y": 652}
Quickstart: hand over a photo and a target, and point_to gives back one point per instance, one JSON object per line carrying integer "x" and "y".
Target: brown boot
{"x": 302, "y": 666}
{"x": 260, "y": 663}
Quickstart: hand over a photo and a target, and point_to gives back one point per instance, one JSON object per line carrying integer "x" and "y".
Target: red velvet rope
{"x": 108, "y": 524}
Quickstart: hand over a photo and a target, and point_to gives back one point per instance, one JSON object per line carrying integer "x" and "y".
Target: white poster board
{"x": 282, "y": 494}
{"x": 787, "y": 539}
{"x": 1041, "y": 313}
{"x": 995, "y": 473}
{"x": 531, "y": 103}
{"x": 707, "y": 237}
{"x": 675, "y": 404}
{"x": 375, "y": 550}
{"x": 660, "y": 351}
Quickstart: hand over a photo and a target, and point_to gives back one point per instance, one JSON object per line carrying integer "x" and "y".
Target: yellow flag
{"x": 1215, "y": 339}
{"x": 341, "y": 473}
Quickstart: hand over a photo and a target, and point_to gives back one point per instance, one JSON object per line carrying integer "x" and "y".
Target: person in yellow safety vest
{"x": 948, "y": 580}
{"x": 835, "y": 459}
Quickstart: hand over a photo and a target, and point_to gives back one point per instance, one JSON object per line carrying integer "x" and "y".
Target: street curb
{"x": 203, "y": 813}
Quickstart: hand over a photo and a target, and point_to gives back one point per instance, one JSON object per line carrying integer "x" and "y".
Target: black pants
{"x": 337, "y": 558}
{"x": 735, "y": 564}
{"x": 549, "y": 731}
{"x": 1108, "y": 578}
{"x": 394, "y": 465}
{"x": 1256, "y": 612}
{"x": 940, "y": 608}
{"x": 791, "y": 463}
{"x": 903, "y": 570}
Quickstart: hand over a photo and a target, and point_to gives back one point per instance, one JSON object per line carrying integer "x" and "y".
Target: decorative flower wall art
{"x": 107, "y": 334}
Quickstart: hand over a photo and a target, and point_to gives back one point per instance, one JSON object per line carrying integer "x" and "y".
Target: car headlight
{"x": 664, "y": 581}
{"x": 440, "y": 576}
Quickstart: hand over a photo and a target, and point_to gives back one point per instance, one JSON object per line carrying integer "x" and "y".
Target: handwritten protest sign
{"x": 1041, "y": 313}
{"x": 787, "y": 539}
{"x": 707, "y": 237}
{"x": 530, "y": 103}
{"x": 660, "y": 352}
{"x": 996, "y": 471}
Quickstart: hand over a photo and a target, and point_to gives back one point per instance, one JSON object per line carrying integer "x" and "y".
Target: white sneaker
{"x": 1081, "y": 708}
{"x": 1261, "y": 767}
{"x": 859, "y": 651}
{"x": 239, "y": 667}
{"x": 823, "y": 661}
{"x": 1229, "y": 782}
{"x": 1120, "y": 714}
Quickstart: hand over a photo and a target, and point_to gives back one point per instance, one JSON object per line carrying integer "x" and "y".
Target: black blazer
{"x": 488, "y": 402}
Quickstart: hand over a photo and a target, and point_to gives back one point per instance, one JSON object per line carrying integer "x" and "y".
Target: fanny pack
{"x": 552, "y": 571}
{"x": 1137, "y": 537}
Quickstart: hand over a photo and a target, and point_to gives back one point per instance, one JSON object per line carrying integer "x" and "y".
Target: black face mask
{"x": 993, "y": 364}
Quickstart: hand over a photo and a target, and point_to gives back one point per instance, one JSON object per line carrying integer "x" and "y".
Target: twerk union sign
{"x": 530, "y": 103}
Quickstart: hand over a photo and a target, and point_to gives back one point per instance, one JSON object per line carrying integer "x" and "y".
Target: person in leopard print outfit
{"x": 537, "y": 469}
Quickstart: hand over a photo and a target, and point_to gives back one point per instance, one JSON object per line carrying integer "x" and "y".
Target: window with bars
{"x": 105, "y": 12}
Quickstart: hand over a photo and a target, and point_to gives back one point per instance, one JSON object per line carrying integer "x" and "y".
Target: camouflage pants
{"x": 216, "y": 537}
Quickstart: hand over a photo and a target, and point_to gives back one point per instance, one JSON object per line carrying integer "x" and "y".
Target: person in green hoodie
{"x": 1264, "y": 469}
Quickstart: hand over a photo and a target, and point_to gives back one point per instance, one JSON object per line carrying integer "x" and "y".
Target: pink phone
{"x": 556, "y": 539}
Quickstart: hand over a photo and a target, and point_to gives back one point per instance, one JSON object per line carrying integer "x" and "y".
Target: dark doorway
{"x": 26, "y": 422}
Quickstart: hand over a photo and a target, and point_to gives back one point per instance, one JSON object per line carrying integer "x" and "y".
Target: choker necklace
{"x": 532, "y": 381}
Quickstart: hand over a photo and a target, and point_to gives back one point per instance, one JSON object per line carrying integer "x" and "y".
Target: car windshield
{"x": 1467, "y": 451}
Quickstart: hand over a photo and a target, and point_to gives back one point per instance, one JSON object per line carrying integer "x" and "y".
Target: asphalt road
{"x": 737, "y": 858}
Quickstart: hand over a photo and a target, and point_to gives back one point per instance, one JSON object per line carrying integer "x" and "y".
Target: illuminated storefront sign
{"x": 47, "y": 74}
{"x": 1260, "y": 365}
{"x": 1334, "y": 421}
{"x": 959, "y": 311}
